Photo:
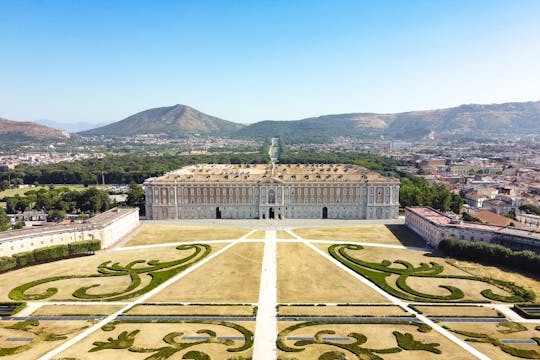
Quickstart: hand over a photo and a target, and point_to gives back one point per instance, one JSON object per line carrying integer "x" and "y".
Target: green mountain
{"x": 177, "y": 120}
{"x": 465, "y": 121}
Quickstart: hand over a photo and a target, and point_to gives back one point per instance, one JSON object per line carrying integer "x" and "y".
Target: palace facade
{"x": 257, "y": 191}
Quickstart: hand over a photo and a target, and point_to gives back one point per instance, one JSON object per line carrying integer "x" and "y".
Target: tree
{"x": 94, "y": 201}
{"x": 4, "y": 220}
{"x": 530, "y": 209}
{"x": 4, "y": 185}
{"x": 135, "y": 195}
{"x": 56, "y": 215}
{"x": 456, "y": 203}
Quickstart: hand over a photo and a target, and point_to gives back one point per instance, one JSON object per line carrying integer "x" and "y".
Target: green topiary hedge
{"x": 47, "y": 254}
{"x": 83, "y": 247}
{"x": 25, "y": 258}
{"x": 51, "y": 252}
{"x": 7, "y": 263}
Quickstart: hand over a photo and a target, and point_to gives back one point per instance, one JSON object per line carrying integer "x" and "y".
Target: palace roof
{"x": 289, "y": 173}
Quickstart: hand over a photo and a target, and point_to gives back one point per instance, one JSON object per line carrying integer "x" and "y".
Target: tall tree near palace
{"x": 419, "y": 192}
{"x": 4, "y": 220}
{"x": 135, "y": 195}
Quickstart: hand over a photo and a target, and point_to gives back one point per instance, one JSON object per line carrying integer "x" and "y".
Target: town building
{"x": 434, "y": 226}
{"x": 108, "y": 227}
{"x": 258, "y": 191}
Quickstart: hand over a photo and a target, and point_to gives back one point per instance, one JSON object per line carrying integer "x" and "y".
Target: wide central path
{"x": 266, "y": 327}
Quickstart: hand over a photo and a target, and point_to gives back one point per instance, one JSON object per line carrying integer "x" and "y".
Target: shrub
{"x": 50, "y": 253}
{"x": 25, "y": 258}
{"x": 82, "y": 247}
{"x": 491, "y": 254}
{"x": 7, "y": 263}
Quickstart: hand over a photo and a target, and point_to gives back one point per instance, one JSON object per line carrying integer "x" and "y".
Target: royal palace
{"x": 257, "y": 191}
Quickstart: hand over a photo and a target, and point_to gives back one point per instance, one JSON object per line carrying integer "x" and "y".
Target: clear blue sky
{"x": 246, "y": 61}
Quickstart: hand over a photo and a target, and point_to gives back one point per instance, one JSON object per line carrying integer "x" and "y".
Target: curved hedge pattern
{"x": 173, "y": 342}
{"x": 404, "y": 342}
{"x": 378, "y": 272}
{"x": 158, "y": 271}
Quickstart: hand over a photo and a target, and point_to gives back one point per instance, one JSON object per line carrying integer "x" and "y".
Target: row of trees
{"x": 419, "y": 192}
{"x": 57, "y": 202}
{"x": 122, "y": 169}
{"x": 491, "y": 254}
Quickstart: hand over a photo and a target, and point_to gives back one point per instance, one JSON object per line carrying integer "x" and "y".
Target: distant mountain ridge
{"x": 177, "y": 120}
{"x": 457, "y": 122}
{"x": 26, "y": 130}
{"x": 72, "y": 127}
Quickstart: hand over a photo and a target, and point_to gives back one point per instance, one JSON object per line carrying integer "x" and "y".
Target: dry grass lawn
{"x": 84, "y": 266}
{"x": 528, "y": 282}
{"x": 362, "y": 233}
{"x": 159, "y": 234}
{"x": 259, "y": 234}
{"x": 493, "y": 330}
{"x": 332, "y": 310}
{"x": 470, "y": 288}
{"x": 166, "y": 309}
{"x": 38, "y": 346}
{"x": 232, "y": 277}
{"x": 456, "y": 310}
{"x": 306, "y": 277}
{"x": 151, "y": 336}
{"x": 282, "y": 234}
{"x": 379, "y": 336}
{"x": 59, "y": 310}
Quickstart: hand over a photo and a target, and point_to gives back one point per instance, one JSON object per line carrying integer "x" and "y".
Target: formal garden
{"x": 189, "y": 299}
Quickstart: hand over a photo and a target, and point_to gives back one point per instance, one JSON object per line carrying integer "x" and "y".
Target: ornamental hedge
{"x": 491, "y": 254}
{"x": 83, "y": 247}
{"x": 49, "y": 253}
{"x": 7, "y": 263}
{"x": 25, "y": 258}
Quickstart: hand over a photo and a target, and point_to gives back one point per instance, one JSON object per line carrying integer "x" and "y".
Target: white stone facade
{"x": 261, "y": 192}
{"x": 109, "y": 227}
{"x": 434, "y": 226}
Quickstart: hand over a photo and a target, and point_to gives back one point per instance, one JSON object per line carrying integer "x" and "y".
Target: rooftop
{"x": 281, "y": 172}
{"x": 439, "y": 218}
{"x": 98, "y": 221}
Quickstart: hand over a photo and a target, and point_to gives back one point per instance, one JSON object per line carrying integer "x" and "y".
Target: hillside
{"x": 177, "y": 120}
{"x": 464, "y": 121}
{"x": 19, "y": 130}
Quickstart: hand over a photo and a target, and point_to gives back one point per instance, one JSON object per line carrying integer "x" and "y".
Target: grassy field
{"x": 362, "y": 233}
{"x": 306, "y": 277}
{"x": 471, "y": 288}
{"x": 282, "y": 234}
{"x": 170, "y": 309}
{"x": 259, "y": 234}
{"x": 21, "y": 191}
{"x": 496, "y": 331}
{"x": 58, "y": 310}
{"x": 333, "y": 310}
{"x": 378, "y": 337}
{"x": 83, "y": 266}
{"x": 528, "y": 281}
{"x": 450, "y": 311}
{"x": 158, "y": 234}
{"x": 39, "y": 344}
{"x": 232, "y": 277}
{"x": 151, "y": 337}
